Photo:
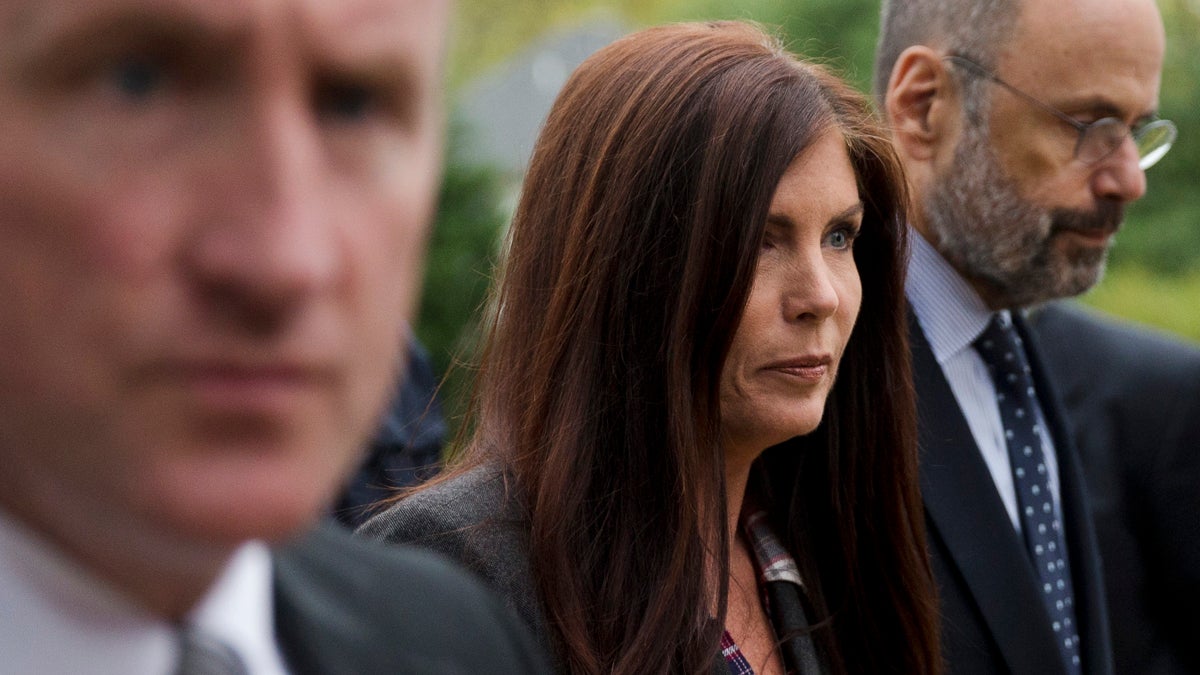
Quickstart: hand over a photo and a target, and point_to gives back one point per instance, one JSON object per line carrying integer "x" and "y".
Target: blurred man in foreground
{"x": 212, "y": 214}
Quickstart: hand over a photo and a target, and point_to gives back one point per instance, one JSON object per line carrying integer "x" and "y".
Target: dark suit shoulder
{"x": 1125, "y": 387}
{"x": 1087, "y": 345}
{"x": 1133, "y": 399}
{"x": 345, "y": 605}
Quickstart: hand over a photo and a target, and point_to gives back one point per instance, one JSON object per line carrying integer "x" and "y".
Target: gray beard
{"x": 1002, "y": 243}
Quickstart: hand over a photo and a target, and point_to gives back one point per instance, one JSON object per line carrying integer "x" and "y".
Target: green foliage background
{"x": 1155, "y": 272}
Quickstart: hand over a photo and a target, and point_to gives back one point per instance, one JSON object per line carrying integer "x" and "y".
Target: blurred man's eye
{"x": 344, "y": 102}
{"x": 137, "y": 78}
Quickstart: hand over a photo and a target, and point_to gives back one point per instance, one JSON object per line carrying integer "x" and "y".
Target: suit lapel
{"x": 316, "y": 623}
{"x": 790, "y": 621}
{"x": 966, "y": 513}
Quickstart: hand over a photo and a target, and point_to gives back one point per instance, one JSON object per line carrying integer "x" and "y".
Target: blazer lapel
{"x": 966, "y": 513}
{"x": 791, "y": 625}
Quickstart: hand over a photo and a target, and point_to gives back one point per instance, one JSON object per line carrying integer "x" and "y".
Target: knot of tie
{"x": 1002, "y": 350}
{"x": 201, "y": 653}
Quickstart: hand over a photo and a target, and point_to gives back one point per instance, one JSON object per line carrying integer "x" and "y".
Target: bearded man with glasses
{"x": 1025, "y": 128}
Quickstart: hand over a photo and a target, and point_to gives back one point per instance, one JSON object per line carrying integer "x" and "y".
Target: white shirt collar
{"x": 240, "y": 609}
{"x": 952, "y": 316}
{"x": 950, "y": 312}
{"x": 62, "y": 618}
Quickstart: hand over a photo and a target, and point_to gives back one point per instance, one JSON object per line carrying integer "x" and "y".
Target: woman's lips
{"x": 813, "y": 367}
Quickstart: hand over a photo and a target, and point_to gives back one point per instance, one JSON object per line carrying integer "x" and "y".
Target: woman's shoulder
{"x": 472, "y": 517}
{"x": 454, "y": 504}
{"x": 475, "y": 519}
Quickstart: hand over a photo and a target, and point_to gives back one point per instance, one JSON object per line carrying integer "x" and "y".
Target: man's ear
{"x": 921, "y": 105}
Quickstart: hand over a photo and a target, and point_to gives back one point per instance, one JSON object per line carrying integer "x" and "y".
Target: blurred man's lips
{"x": 246, "y": 387}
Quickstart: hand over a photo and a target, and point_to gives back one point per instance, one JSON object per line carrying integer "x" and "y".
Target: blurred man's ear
{"x": 922, "y": 106}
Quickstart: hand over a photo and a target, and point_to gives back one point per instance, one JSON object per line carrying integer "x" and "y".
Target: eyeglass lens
{"x": 1153, "y": 141}
{"x": 1104, "y": 136}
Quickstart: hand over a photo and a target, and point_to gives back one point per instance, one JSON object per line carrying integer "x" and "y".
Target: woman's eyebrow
{"x": 785, "y": 221}
{"x": 847, "y": 213}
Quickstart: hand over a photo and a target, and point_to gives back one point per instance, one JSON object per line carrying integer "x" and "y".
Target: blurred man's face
{"x": 212, "y": 216}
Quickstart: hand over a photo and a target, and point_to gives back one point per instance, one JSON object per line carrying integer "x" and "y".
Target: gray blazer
{"x": 471, "y": 519}
{"x": 349, "y": 606}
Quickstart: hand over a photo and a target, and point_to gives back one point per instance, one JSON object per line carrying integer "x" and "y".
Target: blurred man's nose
{"x": 269, "y": 241}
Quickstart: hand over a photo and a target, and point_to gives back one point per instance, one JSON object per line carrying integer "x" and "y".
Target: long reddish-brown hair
{"x": 629, "y": 262}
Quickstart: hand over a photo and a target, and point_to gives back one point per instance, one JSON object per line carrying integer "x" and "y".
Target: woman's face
{"x": 801, "y": 308}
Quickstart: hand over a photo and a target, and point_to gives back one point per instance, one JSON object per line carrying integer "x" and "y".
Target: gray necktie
{"x": 1002, "y": 351}
{"x": 201, "y": 653}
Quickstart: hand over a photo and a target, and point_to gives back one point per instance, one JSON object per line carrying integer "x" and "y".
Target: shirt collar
{"x": 772, "y": 558}
{"x": 950, "y": 312}
{"x": 239, "y": 609}
{"x": 71, "y": 620}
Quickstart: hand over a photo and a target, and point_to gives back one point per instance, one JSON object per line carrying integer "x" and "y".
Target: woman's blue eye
{"x": 839, "y": 239}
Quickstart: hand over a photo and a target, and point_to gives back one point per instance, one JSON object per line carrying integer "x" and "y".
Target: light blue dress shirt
{"x": 952, "y": 315}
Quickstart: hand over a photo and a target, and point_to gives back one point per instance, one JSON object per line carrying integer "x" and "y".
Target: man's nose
{"x": 1118, "y": 177}
{"x": 268, "y": 242}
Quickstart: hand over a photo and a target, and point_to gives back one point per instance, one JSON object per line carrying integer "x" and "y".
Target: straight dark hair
{"x": 629, "y": 262}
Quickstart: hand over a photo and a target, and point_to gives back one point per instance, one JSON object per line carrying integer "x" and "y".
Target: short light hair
{"x": 973, "y": 28}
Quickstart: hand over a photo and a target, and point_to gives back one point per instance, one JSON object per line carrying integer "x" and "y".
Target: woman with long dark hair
{"x": 693, "y": 440}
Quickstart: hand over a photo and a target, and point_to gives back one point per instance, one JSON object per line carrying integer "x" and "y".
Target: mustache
{"x": 1105, "y": 218}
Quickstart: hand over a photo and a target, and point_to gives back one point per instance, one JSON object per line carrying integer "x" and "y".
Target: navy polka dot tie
{"x": 1002, "y": 351}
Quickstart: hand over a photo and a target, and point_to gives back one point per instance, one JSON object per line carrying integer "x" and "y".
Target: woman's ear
{"x": 921, "y": 105}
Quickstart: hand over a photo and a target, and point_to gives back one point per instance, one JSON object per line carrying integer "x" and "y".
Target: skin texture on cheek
{"x": 1000, "y": 241}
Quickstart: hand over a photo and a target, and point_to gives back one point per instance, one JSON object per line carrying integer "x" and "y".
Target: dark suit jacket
{"x": 471, "y": 519}
{"x": 343, "y": 605}
{"x": 1133, "y": 401}
{"x": 993, "y": 619}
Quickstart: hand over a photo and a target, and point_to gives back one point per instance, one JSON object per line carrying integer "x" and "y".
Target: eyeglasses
{"x": 1098, "y": 139}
